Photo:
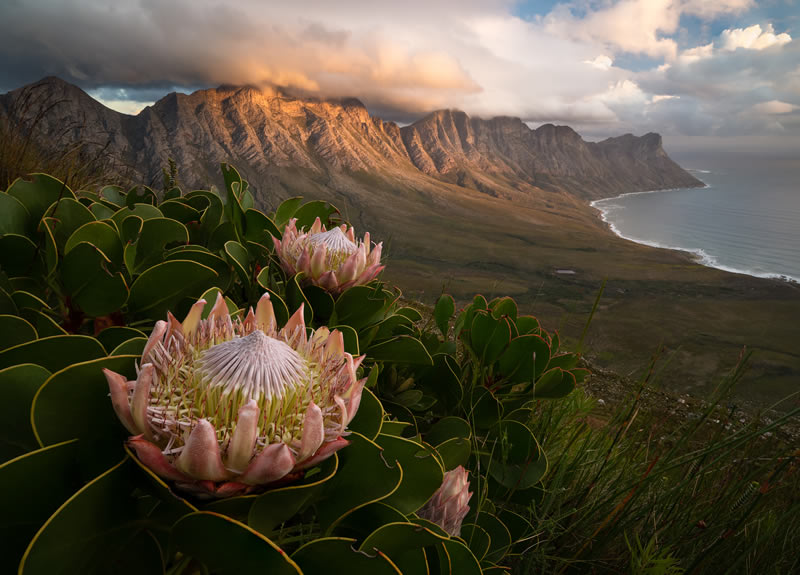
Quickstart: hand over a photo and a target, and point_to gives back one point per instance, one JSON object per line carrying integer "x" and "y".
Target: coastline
{"x": 698, "y": 256}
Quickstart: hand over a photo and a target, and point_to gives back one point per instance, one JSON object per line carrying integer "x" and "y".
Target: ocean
{"x": 746, "y": 219}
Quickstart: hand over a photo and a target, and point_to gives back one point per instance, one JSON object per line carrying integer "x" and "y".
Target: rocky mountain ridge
{"x": 264, "y": 130}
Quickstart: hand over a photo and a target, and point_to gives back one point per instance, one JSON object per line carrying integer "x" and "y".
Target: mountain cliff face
{"x": 264, "y": 131}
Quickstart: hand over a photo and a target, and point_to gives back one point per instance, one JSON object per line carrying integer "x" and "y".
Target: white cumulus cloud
{"x": 753, "y": 38}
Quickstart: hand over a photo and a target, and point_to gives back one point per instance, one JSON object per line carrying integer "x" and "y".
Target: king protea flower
{"x": 332, "y": 259}
{"x": 449, "y": 505}
{"x": 223, "y": 407}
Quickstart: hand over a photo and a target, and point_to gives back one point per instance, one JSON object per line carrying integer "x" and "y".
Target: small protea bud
{"x": 449, "y": 505}
{"x": 224, "y": 407}
{"x": 332, "y": 259}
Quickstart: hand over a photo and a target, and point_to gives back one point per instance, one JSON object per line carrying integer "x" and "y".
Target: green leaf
{"x": 18, "y": 386}
{"x": 113, "y": 336}
{"x": 486, "y": 410}
{"x": 477, "y": 539}
{"x": 321, "y": 302}
{"x": 444, "y": 310}
{"x": 443, "y": 381}
{"x": 295, "y": 298}
{"x": 318, "y": 556}
{"x": 93, "y": 532}
{"x": 525, "y": 359}
{"x": 74, "y": 403}
{"x": 53, "y": 353}
{"x": 114, "y": 194}
{"x": 454, "y": 452}
{"x": 565, "y": 361}
{"x": 310, "y": 211}
{"x": 527, "y": 324}
{"x": 44, "y": 324}
{"x": 40, "y": 482}
{"x": 50, "y": 246}
{"x": 457, "y": 559}
{"x": 66, "y": 216}
{"x": 422, "y": 473}
{"x": 363, "y": 478}
{"x": 14, "y": 218}
{"x": 364, "y": 520}
{"x": 499, "y": 534}
{"x": 286, "y": 210}
{"x": 161, "y": 287}
{"x": 402, "y": 349}
{"x": 102, "y": 235}
{"x": 233, "y": 207}
{"x": 38, "y": 192}
{"x": 274, "y": 507}
{"x": 238, "y": 256}
{"x": 143, "y": 211}
{"x": 212, "y": 208}
{"x": 226, "y": 546}
{"x": 554, "y": 384}
{"x": 88, "y": 279}
{"x": 259, "y": 228}
{"x": 179, "y": 210}
{"x": 504, "y": 306}
{"x": 138, "y": 195}
{"x": 129, "y": 229}
{"x": 131, "y": 347}
{"x": 517, "y": 461}
{"x": 369, "y": 417}
{"x": 448, "y": 428}
{"x": 16, "y": 254}
{"x": 15, "y": 331}
{"x": 156, "y": 234}
{"x": 25, "y": 299}
{"x": 7, "y": 305}
{"x": 396, "y": 539}
{"x": 101, "y": 211}
{"x": 359, "y": 306}
{"x": 203, "y": 256}
{"x": 410, "y": 313}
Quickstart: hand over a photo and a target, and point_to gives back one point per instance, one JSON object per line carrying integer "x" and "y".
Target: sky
{"x": 726, "y": 71}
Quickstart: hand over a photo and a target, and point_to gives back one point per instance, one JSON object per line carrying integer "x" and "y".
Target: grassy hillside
{"x": 466, "y": 242}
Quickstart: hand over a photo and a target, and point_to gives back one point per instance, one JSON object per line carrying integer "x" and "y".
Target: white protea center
{"x": 222, "y": 407}
{"x": 255, "y": 366}
{"x": 332, "y": 259}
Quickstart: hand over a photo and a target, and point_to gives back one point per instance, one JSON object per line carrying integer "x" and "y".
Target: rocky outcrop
{"x": 262, "y": 130}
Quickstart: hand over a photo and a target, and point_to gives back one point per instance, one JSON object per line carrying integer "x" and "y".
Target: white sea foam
{"x": 699, "y": 255}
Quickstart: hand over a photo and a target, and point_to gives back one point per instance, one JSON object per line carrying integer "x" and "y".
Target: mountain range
{"x": 266, "y": 131}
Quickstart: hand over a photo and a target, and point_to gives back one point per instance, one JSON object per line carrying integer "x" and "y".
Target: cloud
{"x": 753, "y": 38}
{"x": 774, "y": 107}
{"x": 638, "y": 26}
{"x": 697, "y": 53}
{"x": 600, "y": 62}
{"x": 404, "y": 59}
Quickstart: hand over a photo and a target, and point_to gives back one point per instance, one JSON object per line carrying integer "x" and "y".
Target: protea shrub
{"x": 332, "y": 259}
{"x": 224, "y": 407}
{"x": 450, "y": 504}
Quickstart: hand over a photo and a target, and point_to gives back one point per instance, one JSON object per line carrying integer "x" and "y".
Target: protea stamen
{"x": 224, "y": 406}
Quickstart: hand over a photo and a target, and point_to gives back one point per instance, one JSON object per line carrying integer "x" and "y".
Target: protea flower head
{"x": 332, "y": 259}
{"x": 449, "y": 505}
{"x": 223, "y": 407}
